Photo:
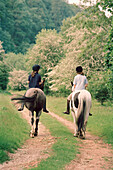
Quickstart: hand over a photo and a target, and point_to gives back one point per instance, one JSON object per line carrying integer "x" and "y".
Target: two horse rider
{"x": 80, "y": 82}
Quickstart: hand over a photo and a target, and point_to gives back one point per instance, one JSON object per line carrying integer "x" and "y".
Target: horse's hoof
{"x": 35, "y": 134}
{"x": 31, "y": 135}
{"x": 76, "y": 135}
{"x": 82, "y": 137}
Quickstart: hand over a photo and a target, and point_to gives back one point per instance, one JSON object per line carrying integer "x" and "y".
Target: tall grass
{"x": 101, "y": 123}
{"x": 13, "y": 129}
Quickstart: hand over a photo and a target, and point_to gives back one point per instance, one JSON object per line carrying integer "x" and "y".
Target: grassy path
{"x": 94, "y": 153}
{"x": 100, "y": 124}
{"x": 65, "y": 151}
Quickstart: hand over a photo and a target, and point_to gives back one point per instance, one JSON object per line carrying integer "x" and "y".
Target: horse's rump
{"x": 81, "y": 104}
{"x": 33, "y": 99}
{"x": 39, "y": 100}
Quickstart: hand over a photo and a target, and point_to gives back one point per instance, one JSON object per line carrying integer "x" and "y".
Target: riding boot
{"x": 21, "y": 108}
{"x": 90, "y": 114}
{"x": 68, "y": 108}
{"x": 44, "y": 107}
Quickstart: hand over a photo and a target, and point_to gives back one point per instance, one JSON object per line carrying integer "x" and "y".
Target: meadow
{"x": 13, "y": 129}
{"x": 13, "y": 136}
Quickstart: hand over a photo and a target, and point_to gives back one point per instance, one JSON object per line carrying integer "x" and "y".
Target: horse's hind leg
{"x": 36, "y": 128}
{"x": 32, "y": 123}
{"x": 84, "y": 127}
{"x": 37, "y": 121}
{"x": 76, "y": 134}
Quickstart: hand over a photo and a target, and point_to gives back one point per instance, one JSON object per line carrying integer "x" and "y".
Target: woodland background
{"x": 59, "y": 37}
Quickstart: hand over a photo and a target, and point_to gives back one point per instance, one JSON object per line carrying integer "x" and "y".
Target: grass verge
{"x": 13, "y": 129}
{"x": 65, "y": 148}
{"x": 101, "y": 123}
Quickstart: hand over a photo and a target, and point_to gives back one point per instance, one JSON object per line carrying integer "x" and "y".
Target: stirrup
{"x": 20, "y": 109}
{"x": 46, "y": 111}
{"x": 90, "y": 114}
{"x": 66, "y": 113}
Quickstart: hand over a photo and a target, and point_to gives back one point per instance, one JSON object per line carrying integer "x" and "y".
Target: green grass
{"x": 101, "y": 123}
{"x": 63, "y": 150}
{"x": 13, "y": 130}
{"x": 58, "y": 105}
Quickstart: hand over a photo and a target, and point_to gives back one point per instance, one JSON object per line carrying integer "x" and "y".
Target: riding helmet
{"x": 36, "y": 67}
{"x": 79, "y": 69}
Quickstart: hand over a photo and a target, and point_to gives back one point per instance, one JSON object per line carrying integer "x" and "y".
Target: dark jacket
{"x": 34, "y": 81}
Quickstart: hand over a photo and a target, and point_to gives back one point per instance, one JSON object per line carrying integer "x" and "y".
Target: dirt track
{"x": 94, "y": 154}
{"x": 33, "y": 151}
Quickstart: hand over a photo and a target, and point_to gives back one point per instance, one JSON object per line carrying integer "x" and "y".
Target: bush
{"x": 3, "y": 76}
{"x": 18, "y": 80}
{"x": 102, "y": 93}
{"x": 61, "y": 92}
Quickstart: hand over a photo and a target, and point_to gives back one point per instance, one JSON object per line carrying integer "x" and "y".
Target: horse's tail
{"x": 80, "y": 114}
{"x": 25, "y": 99}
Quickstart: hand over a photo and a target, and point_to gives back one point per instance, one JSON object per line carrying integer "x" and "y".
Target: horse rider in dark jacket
{"x": 34, "y": 81}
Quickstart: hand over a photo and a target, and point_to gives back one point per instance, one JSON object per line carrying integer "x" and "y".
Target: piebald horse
{"x": 34, "y": 100}
{"x": 80, "y": 108}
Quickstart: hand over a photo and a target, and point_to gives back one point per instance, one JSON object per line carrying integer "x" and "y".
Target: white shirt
{"x": 80, "y": 81}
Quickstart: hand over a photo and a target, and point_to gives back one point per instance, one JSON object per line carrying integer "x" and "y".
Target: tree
{"x": 16, "y": 61}
{"x": 3, "y": 76}
{"x": 18, "y": 80}
{"x": 21, "y": 20}
{"x": 102, "y": 93}
{"x": 3, "y": 70}
{"x": 47, "y": 51}
{"x": 109, "y": 60}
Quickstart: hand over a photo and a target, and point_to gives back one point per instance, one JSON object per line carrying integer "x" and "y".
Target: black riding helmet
{"x": 36, "y": 67}
{"x": 79, "y": 69}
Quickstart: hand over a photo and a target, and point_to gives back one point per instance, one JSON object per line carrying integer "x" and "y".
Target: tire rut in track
{"x": 94, "y": 153}
{"x": 33, "y": 151}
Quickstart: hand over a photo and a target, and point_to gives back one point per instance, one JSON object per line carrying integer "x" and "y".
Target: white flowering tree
{"x": 18, "y": 80}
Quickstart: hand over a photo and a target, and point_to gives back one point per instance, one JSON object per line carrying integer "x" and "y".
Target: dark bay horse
{"x": 34, "y": 100}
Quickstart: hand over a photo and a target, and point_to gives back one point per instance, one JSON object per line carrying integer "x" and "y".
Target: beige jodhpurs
{"x": 69, "y": 97}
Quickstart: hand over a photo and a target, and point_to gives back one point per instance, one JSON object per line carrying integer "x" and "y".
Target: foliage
{"x": 61, "y": 92}
{"x": 47, "y": 51}
{"x": 101, "y": 93}
{"x": 18, "y": 80}
{"x": 3, "y": 76}
{"x": 85, "y": 37}
{"x": 12, "y": 133}
{"x": 106, "y": 4}
{"x": 3, "y": 70}
{"x": 1, "y": 52}
{"x": 16, "y": 61}
{"x": 109, "y": 59}
{"x": 20, "y": 21}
